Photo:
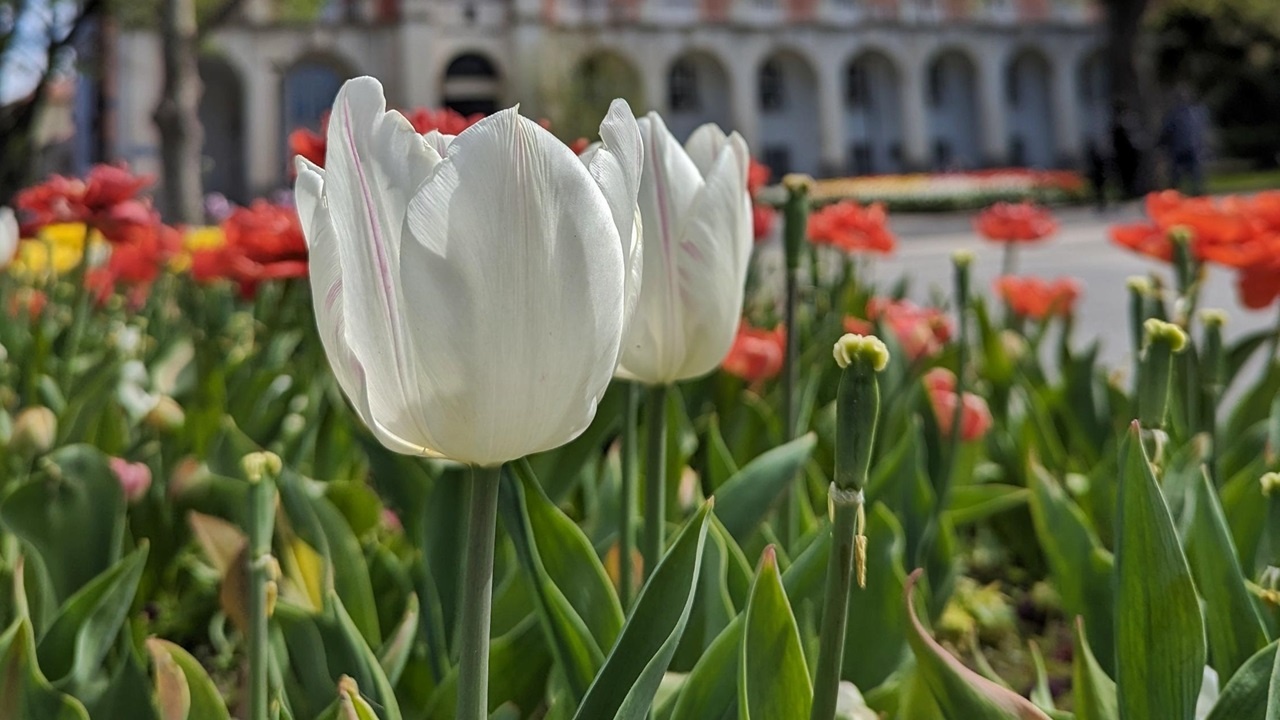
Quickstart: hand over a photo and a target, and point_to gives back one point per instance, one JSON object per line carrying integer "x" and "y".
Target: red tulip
{"x": 975, "y": 416}
{"x": 852, "y": 227}
{"x": 1037, "y": 298}
{"x": 1015, "y": 222}
{"x": 756, "y": 355}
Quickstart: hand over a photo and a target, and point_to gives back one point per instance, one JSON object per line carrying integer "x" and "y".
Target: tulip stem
{"x": 262, "y": 510}
{"x": 477, "y": 596}
{"x": 835, "y": 606}
{"x": 655, "y": 479}
{"x": 627, "y": 494}
{"x": 1009, "y": 263}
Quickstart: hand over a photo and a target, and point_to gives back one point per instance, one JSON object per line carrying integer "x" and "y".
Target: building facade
{"x": 826, "y": 87}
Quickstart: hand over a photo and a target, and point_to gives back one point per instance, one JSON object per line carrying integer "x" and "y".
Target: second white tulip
{"x": 697, "y": 244}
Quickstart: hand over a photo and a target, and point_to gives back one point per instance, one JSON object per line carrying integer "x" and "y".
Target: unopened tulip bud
{"x": 857, "y": 413}
{"x": 1213, "y": 360}
{"x": 1184, "y": 264}
{"x": 34, "y": 431}
{"x": 861, "y": 348}
{"x": 165, "y": 416}
{"x": 134, "y": 478}
{"x": 260, "y": 465}
{"x": 796, "y": 217}
{"x": 1163, "y": 339}
{"x": 1270, "y": 482}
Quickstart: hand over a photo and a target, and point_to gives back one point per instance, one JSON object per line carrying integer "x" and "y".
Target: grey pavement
{"x": 1081, "y": 249}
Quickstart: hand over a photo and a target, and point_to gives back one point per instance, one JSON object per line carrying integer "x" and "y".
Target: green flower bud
{"x": 1163, "y": 339}
{"x": 796, "y": 216}
{"x": 852, "y": 348}
{"x": 857, "y": 407}
{"x": 259, "y": 465}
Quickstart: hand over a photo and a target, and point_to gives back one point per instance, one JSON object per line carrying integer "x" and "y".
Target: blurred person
{"x": 1096, "y": 170}
{"x": 1125, "y": 143}
{"x": 1182, "y": 138}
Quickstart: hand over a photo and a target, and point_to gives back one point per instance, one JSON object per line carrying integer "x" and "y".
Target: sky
{"x": 25, "y": 59}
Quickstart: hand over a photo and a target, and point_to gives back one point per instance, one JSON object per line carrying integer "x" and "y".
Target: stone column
{"x": 263, "y": 125}
{"x": 831, "y": 117}
{"x": 744, "y": 97}
{"x": 915, "y": 115}
{"x": 1065, "y": 102}
{"x": 992, "y": 111}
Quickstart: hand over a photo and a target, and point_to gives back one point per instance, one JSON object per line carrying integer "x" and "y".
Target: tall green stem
{"x": 1009, "y": 262}
{"x": 261, "y": 469}
{"x": 835, "y": 607}
{"x": 1275, "y": 341}
{"x": 795, "y": 232}
{"x": 857, "y": 412}
{"x": 655, "y": 478}
{"x": 477, "y": 596}
{"x": 627, "y": 499}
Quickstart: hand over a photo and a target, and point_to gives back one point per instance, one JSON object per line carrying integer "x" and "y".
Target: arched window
{"x": 856, "y": 93}
{"x": 682, "y": 86}
{"x": 771, "y": 93}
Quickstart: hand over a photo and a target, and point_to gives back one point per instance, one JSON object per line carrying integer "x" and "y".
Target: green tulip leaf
{"x": 971, "y": 504}
{"x": 1094, "y": 693}
{"x": 519, "y": 658}
{"x": 184, "y": 691}
{"x": 711, "y": 690}
{"x": 1081, "y": 567}
{"x": 572, "y": 594}
{"x": 1160, "y": 645}
{"x": 876, "y": 641}
{"x": 745, "y": 499}
{"x": 25, "y": 694}
{"x": 626, "y": 685}
{"x": 959, "y": 691}
{"x": 74, "y": 517}
{"x": 85, "y": 629}
{"x": 773, "y": 680}
{"x": 1234, "y": 628}
{"x": 1250, "y": 694}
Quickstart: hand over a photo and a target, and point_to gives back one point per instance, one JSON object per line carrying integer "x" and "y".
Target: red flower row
{"x": 1242, "y": 233}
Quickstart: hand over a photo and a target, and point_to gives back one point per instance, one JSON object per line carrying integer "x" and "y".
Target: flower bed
{"x": 955, "y": 191}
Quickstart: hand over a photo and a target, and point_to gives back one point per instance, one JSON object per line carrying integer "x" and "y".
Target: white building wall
{"x": 536, "y": 45}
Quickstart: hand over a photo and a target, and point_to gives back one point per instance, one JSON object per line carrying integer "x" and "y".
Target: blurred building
{"x": 819, "y": 86}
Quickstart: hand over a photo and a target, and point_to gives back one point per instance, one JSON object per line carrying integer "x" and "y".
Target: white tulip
{"x": 8, "y": 237}
{"x": 697, "y": 244}
{"x": 470, "y": 291}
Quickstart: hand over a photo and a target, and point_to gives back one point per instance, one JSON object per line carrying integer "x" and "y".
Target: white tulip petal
{"x": 617, "y": 163}
{"x": 375, "y": 162}
{"x": 655, "y": 349}
{"x": 325, "y": 273}
{"x": 714, "y": 248}
{"x": 705, "y": 145}
{"x": 513, "y": 280}
{"x": 8, "y": 236}
{"x": 439, "y": 141}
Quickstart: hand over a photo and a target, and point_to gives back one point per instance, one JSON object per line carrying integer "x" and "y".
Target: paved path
{"x": 1081, "y": 250}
